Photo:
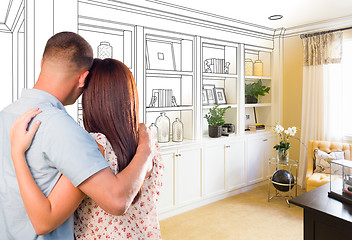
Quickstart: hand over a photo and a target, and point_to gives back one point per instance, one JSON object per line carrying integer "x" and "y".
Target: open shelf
{"x": 257, "y": 77}
{"x": 151, "y": 73}
{"x": 220, "y": 106}
{"x": 258, "y": 105}
{"x": 219, "y": 75}
{"x": 166, "y": 109}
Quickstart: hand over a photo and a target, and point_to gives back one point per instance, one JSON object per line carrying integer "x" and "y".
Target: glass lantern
{"x": 177, "y": 131}
{"x": 248, "y": 66}
{"x": 163, "y": 124}
{"x": 258, "y": 68}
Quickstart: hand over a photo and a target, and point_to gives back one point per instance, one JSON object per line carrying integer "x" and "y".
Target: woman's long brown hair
{"x": 110, "y": 106}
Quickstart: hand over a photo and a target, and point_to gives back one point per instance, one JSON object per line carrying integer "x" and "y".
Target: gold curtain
{"x": 323, "y": 49}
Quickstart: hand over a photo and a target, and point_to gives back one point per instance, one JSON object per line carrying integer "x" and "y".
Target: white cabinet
{"x": 257, "y": 152}
{"x": 234, "y": 164}
{"x": 187, "y": 175}
{"x": 166, "y": 197}
{"x": 214, "y": 160}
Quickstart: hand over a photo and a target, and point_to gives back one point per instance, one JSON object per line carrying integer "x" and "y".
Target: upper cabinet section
{"x": 219, "y": 58}
{"x": 257, "y": 63}
{"x": 109, "y": 40}
{"x": 169, "y": 52}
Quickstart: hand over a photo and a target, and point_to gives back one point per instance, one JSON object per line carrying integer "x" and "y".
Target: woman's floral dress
{"x": 141, "y": 219}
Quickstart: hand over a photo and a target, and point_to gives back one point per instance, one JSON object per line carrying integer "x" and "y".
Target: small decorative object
{"x": 341, "y": 181}
{"x": 228, "y": 128}
{"x": 215, "y": 119}
{"x": 209, "y": 88}
{"x": 163, "y": 124}
{"x": 227, "y": 68}
{"x": 220, "y": 97}
{"x": 154, "y": 131}
{"x": 177, "y": 131}
{"x": 284, "y": 146}
{"x": 173, "y": 101}
{"x": 258, "y": 68}
{"x": 160, "y": 55}
{"x": 205, "y": 97}
{"x": 248, "y": 66}
{"x": 253, "y": 90}
{"x": 104, "y": 50}
{"x": 207, "y": 67}
{"x": 282, "y": 180}
{"x": 153, "y": 101}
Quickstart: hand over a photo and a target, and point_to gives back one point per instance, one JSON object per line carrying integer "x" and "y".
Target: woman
{"x": 110, "y": 114}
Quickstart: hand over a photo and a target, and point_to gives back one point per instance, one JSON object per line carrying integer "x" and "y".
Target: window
{"x": 347, "y": 89}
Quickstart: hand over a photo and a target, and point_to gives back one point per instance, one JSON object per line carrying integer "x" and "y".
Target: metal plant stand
{"x": 290, "y": 165}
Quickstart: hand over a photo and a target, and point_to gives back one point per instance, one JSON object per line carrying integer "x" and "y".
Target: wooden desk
{"x": 324, "y": 218}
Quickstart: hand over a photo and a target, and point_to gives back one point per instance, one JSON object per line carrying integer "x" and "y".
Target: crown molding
{"x": 319, "y": 26}
{"x": 190, "y": 16}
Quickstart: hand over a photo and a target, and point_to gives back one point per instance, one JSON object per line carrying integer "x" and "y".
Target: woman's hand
{"x": 21, "y": 139}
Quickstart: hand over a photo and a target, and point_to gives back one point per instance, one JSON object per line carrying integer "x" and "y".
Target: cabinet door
{"x": 234, "y": 165}
{"x": 256, "y": 156}
{"x": 166, "y": 198}
{"x": 188, "y": 175}
{"x": 213, "y": 169}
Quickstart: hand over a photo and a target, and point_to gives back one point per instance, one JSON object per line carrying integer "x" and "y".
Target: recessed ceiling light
{"x": 275, "y": 17}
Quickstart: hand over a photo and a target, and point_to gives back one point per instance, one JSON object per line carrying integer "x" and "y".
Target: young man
{"x": 61, "y": 146}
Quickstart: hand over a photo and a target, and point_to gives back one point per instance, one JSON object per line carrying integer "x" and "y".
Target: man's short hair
{"x": 70, "y": 47}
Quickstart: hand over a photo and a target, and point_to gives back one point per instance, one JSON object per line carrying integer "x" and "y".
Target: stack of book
{"x": 162, "y": 98}
{"x": 256, "y": 127}
{"x": 216, "y": 65}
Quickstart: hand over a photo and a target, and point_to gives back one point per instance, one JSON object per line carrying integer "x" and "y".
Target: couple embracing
{"x": 58, "y": 181}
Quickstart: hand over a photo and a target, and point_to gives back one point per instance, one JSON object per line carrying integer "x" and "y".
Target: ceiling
{"x": 295, "y": 12}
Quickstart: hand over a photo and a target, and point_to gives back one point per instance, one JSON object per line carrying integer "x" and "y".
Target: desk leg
{"x": 308, "y": 225}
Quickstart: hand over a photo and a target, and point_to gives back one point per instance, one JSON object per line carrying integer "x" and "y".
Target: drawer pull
{"x": 227, "y": 146}
{"x": 265, "y": 140}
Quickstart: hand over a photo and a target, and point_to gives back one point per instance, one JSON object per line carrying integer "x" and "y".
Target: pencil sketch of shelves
{"x": 115, "y": 39}
{"x": 13, "y": 51}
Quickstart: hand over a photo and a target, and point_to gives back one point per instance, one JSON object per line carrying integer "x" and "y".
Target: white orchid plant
{"x": 284, "y": 136}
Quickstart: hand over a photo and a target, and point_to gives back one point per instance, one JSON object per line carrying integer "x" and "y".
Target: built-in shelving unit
{"x": 177, "y": 62}
{"x": 169, "y": 84}
{"x": 261, "y": 111}
{"x": 219, "y": 78}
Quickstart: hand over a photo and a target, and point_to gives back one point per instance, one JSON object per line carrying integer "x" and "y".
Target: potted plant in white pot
{"x": 215, "y": 119}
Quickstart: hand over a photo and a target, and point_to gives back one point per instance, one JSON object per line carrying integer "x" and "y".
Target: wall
{"x": 292, "y": 88}
{"x": 6, "y": 69}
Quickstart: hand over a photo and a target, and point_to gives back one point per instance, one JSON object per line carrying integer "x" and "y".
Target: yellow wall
{"x": 292, "y": 88}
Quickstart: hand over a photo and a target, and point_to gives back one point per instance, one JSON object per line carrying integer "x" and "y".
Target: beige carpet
{"x": 247, "y": 216}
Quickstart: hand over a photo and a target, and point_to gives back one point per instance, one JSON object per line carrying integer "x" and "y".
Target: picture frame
{"x": 204, "y": 97}
{"x": 160, "y": 55}
{"x": 209, "y": 88}
{"x": 220, "y": 96}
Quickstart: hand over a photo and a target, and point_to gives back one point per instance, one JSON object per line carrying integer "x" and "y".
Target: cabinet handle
{"x": 227, "y": 146}
{"x": 177, "y": 155}
{"x": 265, "y": 140}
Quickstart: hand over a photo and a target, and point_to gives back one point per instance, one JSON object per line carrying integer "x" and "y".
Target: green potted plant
{"x": 215, "y": 119}
{"x": 253, "y": 90}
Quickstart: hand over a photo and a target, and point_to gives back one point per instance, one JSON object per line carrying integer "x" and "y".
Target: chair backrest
{"x": 326, "y": 147}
